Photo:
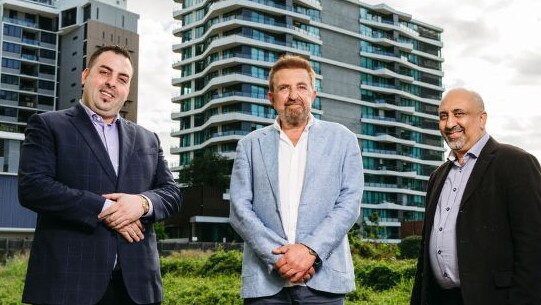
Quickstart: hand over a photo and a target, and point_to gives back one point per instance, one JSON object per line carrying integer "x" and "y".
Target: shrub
{"x": 381, "y": 277}
{"x": 373, "y": 250}
{"x": 410, "y": 246}
{"x": 181, "y": 266}
{"x": 223, "y": 262}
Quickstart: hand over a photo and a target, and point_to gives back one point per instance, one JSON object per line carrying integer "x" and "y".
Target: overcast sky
{"x": 491, "y": 46}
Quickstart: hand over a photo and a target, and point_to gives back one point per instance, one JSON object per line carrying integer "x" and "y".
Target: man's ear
{"x": 270, "y": 97}
{"x": 84, "y": 75}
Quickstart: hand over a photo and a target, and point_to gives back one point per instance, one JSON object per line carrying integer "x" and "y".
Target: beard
{"x": 295, "y": 113}
{"x": 457, "y": 143}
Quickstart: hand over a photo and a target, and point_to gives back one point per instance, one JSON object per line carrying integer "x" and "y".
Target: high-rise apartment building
{"x": 379, "y": 73}
{"x": 44, "y": 50}
{"x": 45, "y": 44}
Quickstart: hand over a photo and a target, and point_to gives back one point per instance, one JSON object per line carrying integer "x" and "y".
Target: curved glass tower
{"x": 378, "y": 73}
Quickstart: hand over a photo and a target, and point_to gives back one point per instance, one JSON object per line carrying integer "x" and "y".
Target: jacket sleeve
{"x": 165, "y": 194}
{"x": 524, "y": 206}
{"x": 242, "y": 217}
{"x": 335, "y": 226}
{"x": 39, "y": 190}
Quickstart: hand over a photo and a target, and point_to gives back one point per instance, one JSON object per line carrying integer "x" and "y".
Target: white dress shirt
{"x": 292, "y": 164}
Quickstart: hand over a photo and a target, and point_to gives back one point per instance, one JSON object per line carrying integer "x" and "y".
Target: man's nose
{"x": 451, "y": 121}
{"x": 293, "y": 94}
{"x": 110, "y": 81}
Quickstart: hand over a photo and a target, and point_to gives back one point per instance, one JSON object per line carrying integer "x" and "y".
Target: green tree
{"x": 372, "y": 229}
{"x": 159, "y": 228}
{"x": 207, "y": 169}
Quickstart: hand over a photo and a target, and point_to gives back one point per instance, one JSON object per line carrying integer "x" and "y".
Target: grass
{"x": 189, "y": 279}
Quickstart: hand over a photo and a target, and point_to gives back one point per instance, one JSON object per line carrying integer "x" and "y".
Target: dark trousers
{"x": 449, "y": 297}
{"x": 298, "y": 295}
{"x": 116, "y": 293}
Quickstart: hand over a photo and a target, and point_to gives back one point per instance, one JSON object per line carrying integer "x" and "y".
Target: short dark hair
{"x": 113, "y": 48}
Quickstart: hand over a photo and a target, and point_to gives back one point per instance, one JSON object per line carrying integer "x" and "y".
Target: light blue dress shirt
{"x": 443, "y": 257}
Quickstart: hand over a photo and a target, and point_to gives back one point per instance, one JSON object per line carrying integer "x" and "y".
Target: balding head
{"x": 470, "y": 95}
{"x": 462, "y": 119}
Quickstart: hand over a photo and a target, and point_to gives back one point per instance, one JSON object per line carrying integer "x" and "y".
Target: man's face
{"x": 292, "y": 96}
{"x": 462, "y": 121}
{"x": 107, "y": 84}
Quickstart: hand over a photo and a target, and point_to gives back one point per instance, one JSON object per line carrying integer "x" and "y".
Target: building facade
{"x": 379, "y": 73}
{"x": 45, "y": 44}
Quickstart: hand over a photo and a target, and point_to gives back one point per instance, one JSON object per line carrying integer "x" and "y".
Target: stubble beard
{"x": 455, "y": 144}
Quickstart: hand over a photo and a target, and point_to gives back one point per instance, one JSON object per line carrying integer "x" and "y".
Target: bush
{"x": 223, "y": 262}
{"x": 382, "y": 274}
{"x": 181, "y": 266}
{"x": 373, "y": 250}
{"x": 380, "y": 277}
{"x": 410, "y": 246}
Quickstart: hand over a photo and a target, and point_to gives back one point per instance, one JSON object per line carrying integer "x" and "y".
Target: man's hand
{"x": 295, "y": 263}
{"x": 133, "y": 232}
{"x": 126, "y": 209}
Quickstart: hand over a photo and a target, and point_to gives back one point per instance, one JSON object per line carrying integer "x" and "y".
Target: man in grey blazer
{"x": 97, "y": 183}
{"x": 296, "y": 190}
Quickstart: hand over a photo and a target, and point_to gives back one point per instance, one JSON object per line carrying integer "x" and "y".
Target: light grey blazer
{"x": 329, "y": 205}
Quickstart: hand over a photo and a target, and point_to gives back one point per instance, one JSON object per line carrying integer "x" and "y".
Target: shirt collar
{"x": 311, "y": 121}
{"x": 96, "y": 117}
{"x": 475, "y": 151}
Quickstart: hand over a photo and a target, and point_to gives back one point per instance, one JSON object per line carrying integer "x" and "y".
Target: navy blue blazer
{"x": 64, "y": 170}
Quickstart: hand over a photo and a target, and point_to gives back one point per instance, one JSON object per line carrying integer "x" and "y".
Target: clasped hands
{"x": 123, "y": 216}
{"x": 296, "y": 263}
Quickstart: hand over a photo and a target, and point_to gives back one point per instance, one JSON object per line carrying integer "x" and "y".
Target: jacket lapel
{"x": 481, "y": 165}
{"x": 432, "y": 202}
{"x": 268, "y": 145}
{"x": 84, "y": 126}
{"x": 314, "y": 155}
{"x": 126, "y": 136}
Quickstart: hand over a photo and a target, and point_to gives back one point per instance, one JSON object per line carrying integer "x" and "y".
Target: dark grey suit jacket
{"x": 64, "y": 170}
{"x": 498, "y": 230}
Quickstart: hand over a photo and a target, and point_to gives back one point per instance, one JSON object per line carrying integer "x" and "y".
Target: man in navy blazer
{"x": 481, "y": 240}
{"x": 296, "y": 190}
{"x": 97, "y": 182}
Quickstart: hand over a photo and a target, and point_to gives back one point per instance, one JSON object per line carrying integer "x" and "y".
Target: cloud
{"x": 523, "y": 132}
{"x": 155, "y": 69}
{"x": 526, "y": 68}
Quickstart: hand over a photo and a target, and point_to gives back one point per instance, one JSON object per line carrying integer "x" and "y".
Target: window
{"x": 11, "y": 30}
{"x": 8, "y": 111}
{"x": 11, "y": 63}
{"x": 46, "y": 85}
{"x": 97, "y": 13}
{"x": 69, "y": 17}
{"x": 9, "y": 95}
{"x": 11, "y": 47}
{"x": 47, "y": 54}
{"x": 50, "y": 38}
{"x": 10, "y": 79}
{"x": 86, "y": 12}
{"x": 46, "y": 69}
{"x": 45, "y": 100}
